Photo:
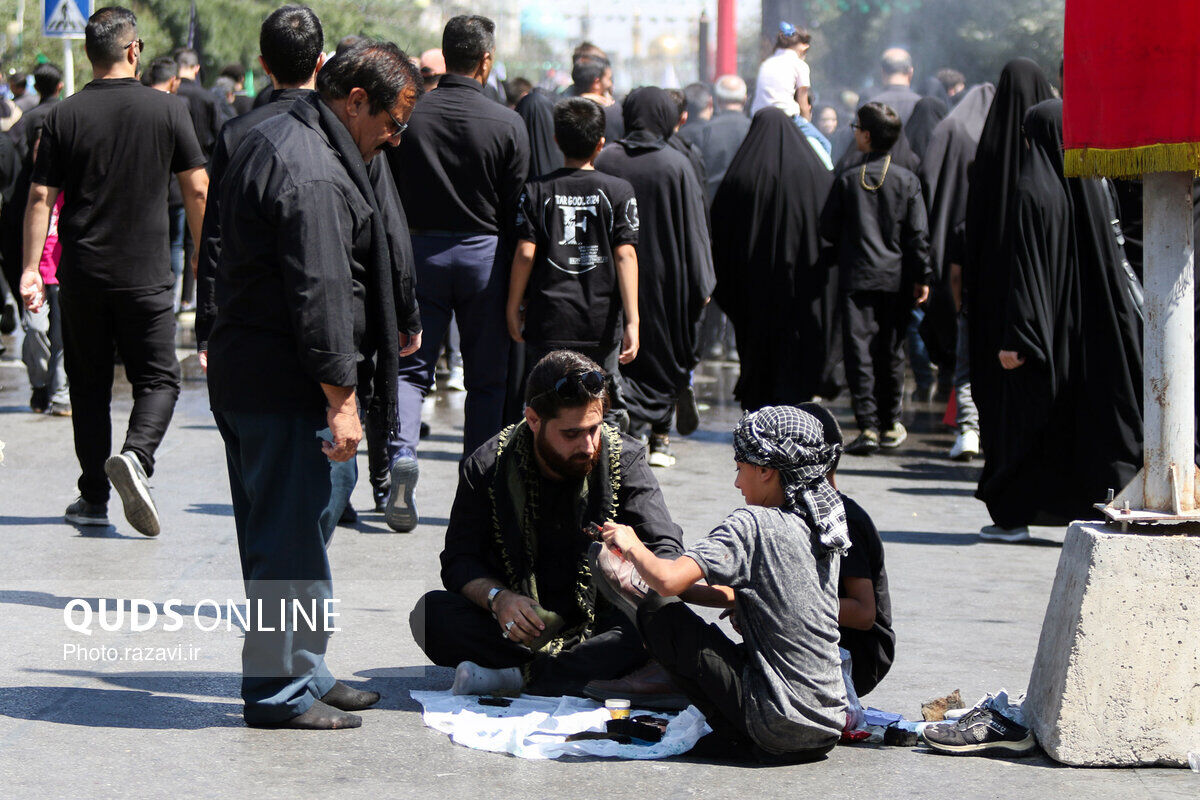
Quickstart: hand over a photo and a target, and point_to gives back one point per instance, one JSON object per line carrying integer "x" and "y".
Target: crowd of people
{"x": 344, "y": 225}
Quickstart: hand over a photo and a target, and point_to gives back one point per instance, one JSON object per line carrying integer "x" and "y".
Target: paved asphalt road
{"x": 967, "y": 616}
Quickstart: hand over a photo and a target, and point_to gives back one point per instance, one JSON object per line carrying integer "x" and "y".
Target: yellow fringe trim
{"x": 1132, "y": 162}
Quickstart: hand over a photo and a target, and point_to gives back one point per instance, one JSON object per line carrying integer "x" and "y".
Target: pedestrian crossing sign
{"x": 65, "y": 19}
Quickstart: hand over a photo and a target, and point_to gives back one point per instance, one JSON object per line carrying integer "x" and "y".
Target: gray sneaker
{"x": 81, "y": 512}
{"x": 400, "y": 513}
{"x": 129, "y": 479}
{"x": 894, "y": 436}
{"x": 994, "y": 533}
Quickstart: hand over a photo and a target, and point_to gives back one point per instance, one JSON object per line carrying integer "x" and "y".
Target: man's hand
{"x": 731, "y": 614}
{"x": 204, "y": 361}
{"x": 409, "y": 343}
{"x": 194, "y": 261}
{"x": 619, "y": 538}
{"x": 1011, "y": 359}
{"x": 515, "y": 317}
{"x": 921, "y": 293}
{"x": 33, "y": 289}
{"x": 517, "y": 609}
{"x": 629, "y": 343}
{"x": 346, "y": 429}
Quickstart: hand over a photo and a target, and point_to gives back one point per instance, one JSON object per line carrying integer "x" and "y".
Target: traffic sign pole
{"x": 68, "y": 68}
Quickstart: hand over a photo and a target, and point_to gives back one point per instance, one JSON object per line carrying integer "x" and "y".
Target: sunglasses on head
{"x": 578, "y": 385}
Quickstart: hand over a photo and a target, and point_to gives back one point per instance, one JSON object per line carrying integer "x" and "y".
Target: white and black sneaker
{"x": 894, "y": 436}
{"x": 982, "y": 731}
{"x": 994, "y": 533}
{"x": 129, "y": 479}
{"x": 400, "y": 513}
{"x": 81, "y": 512}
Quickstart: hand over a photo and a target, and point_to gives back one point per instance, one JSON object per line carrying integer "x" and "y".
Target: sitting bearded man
{"x": 519, "y": 612}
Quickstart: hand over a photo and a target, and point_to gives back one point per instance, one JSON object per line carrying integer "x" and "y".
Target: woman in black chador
{"x": 766, "y": 251}
{"x": 1069, "y": 418}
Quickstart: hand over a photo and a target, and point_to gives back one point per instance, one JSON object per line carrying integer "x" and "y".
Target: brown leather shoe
{"x": 648, "y": 687}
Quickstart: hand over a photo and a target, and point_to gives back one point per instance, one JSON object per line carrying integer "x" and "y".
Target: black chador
{"x": 1070, "y": 426}
{"x": 537, "y": 109}
{"x": 766, "y": 251}
{"x": 675, "y": 272}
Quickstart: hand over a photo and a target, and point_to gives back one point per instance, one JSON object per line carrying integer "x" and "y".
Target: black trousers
{"x": 141, "y": 324}
{"x": 707, "y": 665}
{"x": 873, "y": 327}
{"x": 451, "y": 629}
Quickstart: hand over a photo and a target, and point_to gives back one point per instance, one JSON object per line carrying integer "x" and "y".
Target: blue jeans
{"x": 177, "y": 219}
{"x": 918, "y": 355}
{"x": 287, "y": 497}
{"x": 457, "y": 275}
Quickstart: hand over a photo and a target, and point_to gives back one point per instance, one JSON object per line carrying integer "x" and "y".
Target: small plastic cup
{"x": 617, "y": 709}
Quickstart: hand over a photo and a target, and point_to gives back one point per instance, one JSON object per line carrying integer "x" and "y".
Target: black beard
{"x": 575, "y": 467}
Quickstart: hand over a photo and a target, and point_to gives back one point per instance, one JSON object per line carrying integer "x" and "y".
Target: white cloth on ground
{"x": 537, "y": 727}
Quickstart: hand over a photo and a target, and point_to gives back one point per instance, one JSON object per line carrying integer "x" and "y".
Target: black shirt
{"x": 462, "y": 162}
{"x": 206, "y": 116}
{"x": 291, "y": 282}
{"x": 871, "y": 651}
{"x": 718, "y": 141}
{"x": 577, "y": 218}
{"x": 228, "y": 140}
{"x": 881, "y": 236}
{"x": 111, "y": 148}
{"x": 470, "y": 551}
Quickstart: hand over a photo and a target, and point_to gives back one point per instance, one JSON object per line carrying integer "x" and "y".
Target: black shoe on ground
{"x": 687, "y": 414}
{"x": 981, "y": 731}
{"x": 380, "y": 496}
{"x": 894, "y": 436}
{"x": 425, "y": 430}
{"x": 8, "y": 319}
{"x": 864, "y": 444}
{"x": 129, "y": 479}
{"x": 81, "y": 512}
{"x": 400, "y": 514}
{"x": 349, "y": 517}
{"x": 39, "y": 400}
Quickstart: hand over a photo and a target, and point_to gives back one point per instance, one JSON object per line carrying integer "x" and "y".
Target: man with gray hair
{"x": 305, "y": 284}
{"x": 720, "y": 139}
{"x": 897, "y": 68}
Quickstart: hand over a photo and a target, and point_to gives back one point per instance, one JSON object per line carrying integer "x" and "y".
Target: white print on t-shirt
{"x": 578, "y": 249}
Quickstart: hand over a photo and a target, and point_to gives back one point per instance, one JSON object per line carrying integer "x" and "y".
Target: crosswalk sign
{"x": 65, "y": 19}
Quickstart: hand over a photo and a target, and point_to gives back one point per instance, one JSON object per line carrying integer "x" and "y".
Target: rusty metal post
{"x": 1169, "y": 466}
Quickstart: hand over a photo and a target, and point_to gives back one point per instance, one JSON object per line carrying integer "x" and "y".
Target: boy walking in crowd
{"x": 875, "y": 217}
{"x": 575, "y": 271}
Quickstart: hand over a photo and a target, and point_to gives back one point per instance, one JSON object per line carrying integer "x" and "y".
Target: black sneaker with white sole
{"x": 81, "y": 512}
{"x": 129, "y": 479}
{"x": 980, "y": 731}
{"x": 400, "y": 514}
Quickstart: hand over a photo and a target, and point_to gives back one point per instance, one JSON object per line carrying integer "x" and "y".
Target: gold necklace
{"x": 862, "y": 177}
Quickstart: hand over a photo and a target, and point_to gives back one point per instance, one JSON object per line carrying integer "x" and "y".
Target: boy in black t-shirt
{"x": 865, "y": 605}
{"x": 875, "y": 217}
{"x": 575, "y": 267}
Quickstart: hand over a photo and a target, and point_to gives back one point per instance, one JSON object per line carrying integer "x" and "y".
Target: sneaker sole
{"x": 965, "y": 456}
{"x": 660, "y": 460}
{"x": 135, "y": 497}
{"x": 1023, "y": 747}
{"x": 401, "y": 512}
{"x": 996, "y": 537}
{"x": 601, "y": 582}
{"x": 892, "y": 445}
{"x": 76, "y": 519}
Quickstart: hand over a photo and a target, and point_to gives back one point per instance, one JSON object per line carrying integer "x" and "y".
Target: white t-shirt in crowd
{"x": 778, "y": 79}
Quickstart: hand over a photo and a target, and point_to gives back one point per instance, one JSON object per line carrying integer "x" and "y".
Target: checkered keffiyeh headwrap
{"x": 792, "y": 441}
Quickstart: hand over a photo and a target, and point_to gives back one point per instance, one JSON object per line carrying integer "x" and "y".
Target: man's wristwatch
{"x": 495, "y": 590}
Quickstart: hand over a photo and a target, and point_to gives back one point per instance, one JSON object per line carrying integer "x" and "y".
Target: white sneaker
{"x": 994, "y": 533}
{"x": 129, "y": 479}
{"x": 966, "y": 446}
{"x": 456, "y": 380}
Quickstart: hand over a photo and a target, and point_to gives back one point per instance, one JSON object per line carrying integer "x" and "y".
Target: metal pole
{"x": 1168, "y": 392}
{"x": 68, "y": 68}
{"x": 726, "y": 37}
{"x": 705, "y": 70}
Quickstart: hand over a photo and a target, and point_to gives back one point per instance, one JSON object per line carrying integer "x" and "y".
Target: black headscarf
{"x": 928, "y": 112}
{"x": 1072, "y": 421}
{"x": 650, "y": 110}
{"x": 767, "y": 255}
{"x": 990, "y": 206}
{"x": 538, "y": 112}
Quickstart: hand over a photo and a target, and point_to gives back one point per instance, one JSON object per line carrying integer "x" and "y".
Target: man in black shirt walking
{"x": 305, "y": 293}
{"x": 460, "y": 170}
{"x": 110, "y": 150}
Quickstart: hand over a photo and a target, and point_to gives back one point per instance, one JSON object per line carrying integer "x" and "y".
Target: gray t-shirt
{"x": 787, "y": 606}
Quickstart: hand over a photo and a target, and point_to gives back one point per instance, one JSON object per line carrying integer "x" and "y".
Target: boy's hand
{"x": 731, "y": 614}
{"x": 1011, "y": 359}
{"x": 629, "y": 344}
{"x": 619, "y": 538}
{"x": 920, "y": 293}
{"x": 516, "y": 321}
{"x": 32, "y": 289}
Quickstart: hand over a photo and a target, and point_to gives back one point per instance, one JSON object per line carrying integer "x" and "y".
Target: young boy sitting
{"x": 575, "y": 267}
{"x": 779, "y": 696}
{"x": 875, "y": 217}
{"x": 865, "y": 606}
